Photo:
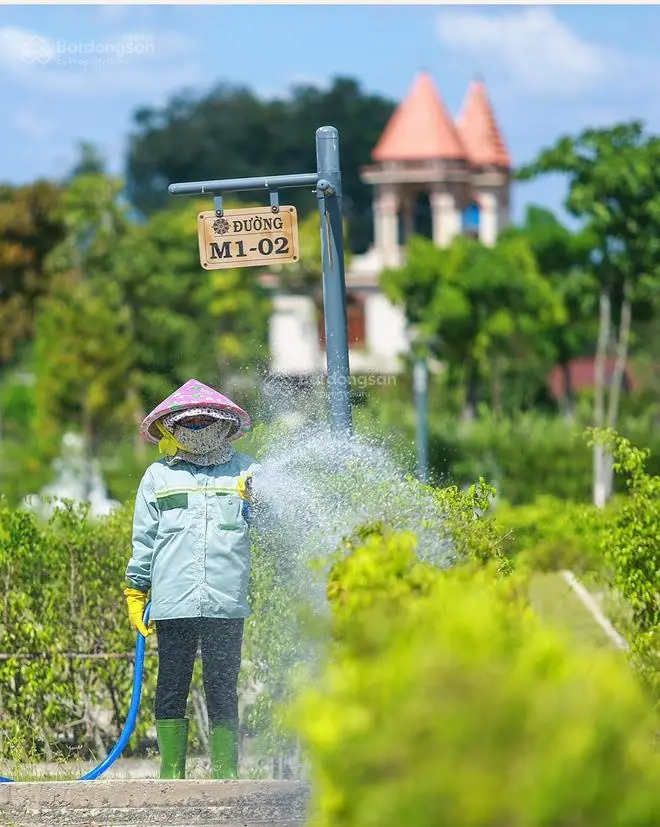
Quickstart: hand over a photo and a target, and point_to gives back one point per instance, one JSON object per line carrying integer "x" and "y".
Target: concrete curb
{"x": 150, "y": 802}
{"x": 590, "y": 603}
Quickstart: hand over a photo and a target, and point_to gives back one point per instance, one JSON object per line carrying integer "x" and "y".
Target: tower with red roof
{"x": 462, "y": 166}
{"x": 451, "y": 175}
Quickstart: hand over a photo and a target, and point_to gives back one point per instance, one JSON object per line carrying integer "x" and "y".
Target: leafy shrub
{"x": 476, "y": 534}
{"x": 551, "y": 534}
{"x": 446, "y": 703}
{"x": 524, "y": 456}
{"x": 277, "y": 650}
{"x": 62, "y": 598}
{"x": 632, "y": 543}
{"x": 631, "y": 546}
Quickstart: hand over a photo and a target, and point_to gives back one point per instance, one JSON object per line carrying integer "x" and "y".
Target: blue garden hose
{"x": 131, "y": 718}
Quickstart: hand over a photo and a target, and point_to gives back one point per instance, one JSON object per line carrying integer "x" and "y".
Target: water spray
{"x": 314, "y": 490}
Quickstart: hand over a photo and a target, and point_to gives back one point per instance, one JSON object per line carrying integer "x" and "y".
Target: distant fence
{"x": 75, "y": 655}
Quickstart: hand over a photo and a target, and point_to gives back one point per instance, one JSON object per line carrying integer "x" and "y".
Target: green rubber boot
{"x": 223, "y": 743}
{"x": 172, "y": 737}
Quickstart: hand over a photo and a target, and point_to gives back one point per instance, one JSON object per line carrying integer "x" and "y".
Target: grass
{"x": 24, "y": 773}
{"x": 557, "y": 604}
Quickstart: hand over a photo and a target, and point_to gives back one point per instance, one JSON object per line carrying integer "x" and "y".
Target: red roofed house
{"x": 462, "y": 171}
{"x": 580, "y": 374}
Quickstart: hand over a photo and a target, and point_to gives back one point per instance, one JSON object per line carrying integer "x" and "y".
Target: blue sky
{"x": 549, "y": 70}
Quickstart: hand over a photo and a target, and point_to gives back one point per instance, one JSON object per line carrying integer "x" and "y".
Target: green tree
{"x": 90, "y": 161}
{"x": 485, "y": 310}
{"x": 84, "y": 356}
{"x": 563, "y": 259}
{"x": 83, "y": 343}
{"x": 231, "y": 133}
{"x": 133, "y": 314}
{"x": 306, "y": 275}
{"x": 30, "y": 226}
{"x": 184, "y": 321}
{"x": 614, "y": 187}
{"x": 95, "y": 221}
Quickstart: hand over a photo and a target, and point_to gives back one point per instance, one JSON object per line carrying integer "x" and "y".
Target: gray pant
{"x": 221, "y": 642}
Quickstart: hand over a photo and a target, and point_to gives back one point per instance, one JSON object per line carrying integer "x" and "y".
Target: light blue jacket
{"x": 190, "y": 539}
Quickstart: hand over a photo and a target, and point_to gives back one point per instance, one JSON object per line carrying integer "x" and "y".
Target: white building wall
{"x": 385, "y": 338}
{"x": 488, "y": 218}
{"x": 504, "y": 210}
{"x": 294, "y": 343}
{"x": 385, "y": 326}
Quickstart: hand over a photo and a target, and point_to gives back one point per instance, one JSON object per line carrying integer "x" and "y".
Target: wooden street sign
{"x": 248, "y": 237}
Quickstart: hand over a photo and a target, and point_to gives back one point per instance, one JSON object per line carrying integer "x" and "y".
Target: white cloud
{"x": 528, "y": 48}
{"x": 142, "y": 63}
{"x": 20, "y": 48}
{"x": 34, "y": 125}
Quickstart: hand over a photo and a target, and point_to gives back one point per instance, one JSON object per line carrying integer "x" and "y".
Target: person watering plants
{"x": 191, "y": 550}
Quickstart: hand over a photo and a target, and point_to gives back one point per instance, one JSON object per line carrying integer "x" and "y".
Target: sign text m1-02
{"x": 251, "y": 237}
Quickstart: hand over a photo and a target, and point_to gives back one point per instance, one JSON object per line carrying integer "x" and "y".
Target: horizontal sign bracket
{"x": 273, "y": 182}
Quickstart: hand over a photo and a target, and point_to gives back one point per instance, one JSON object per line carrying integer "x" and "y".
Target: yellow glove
{"x": 244, "y": 486}
{"x": 136, "y": 601}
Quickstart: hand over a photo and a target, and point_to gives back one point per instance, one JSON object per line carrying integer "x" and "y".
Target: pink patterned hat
{"x": 193, "y": 394}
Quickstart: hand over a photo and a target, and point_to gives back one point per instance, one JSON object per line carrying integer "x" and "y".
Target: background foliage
{"x": 439, "y": 683}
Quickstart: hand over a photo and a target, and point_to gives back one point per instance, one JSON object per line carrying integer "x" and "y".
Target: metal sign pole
{"x": 231, "y": 248}
{"x": 420, "y": 389}
{"x": 334, "y": 283}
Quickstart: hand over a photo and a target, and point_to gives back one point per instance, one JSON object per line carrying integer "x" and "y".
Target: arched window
{"x": 470, "y": 220}
{"x": 423, "y": 220}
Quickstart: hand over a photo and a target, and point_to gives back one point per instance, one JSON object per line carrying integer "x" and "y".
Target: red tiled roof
{"x": 479, "y": 130}
{"x": 420, "y": 128}
{"x": 582, "y": 375}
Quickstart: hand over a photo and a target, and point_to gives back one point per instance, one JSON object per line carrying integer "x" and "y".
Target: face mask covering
{"x": 201, "y": 444}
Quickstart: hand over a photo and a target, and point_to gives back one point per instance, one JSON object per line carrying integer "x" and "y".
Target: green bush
{"x": 445, "y": 702}
{"x": 62, "y": 598}
{"x": 632, "y": 542}
{"x": 631, "y": 545}
{"x": 475, "y": 533}
{"x": 524, "y": 456}
{"x": 552, "y": 534}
